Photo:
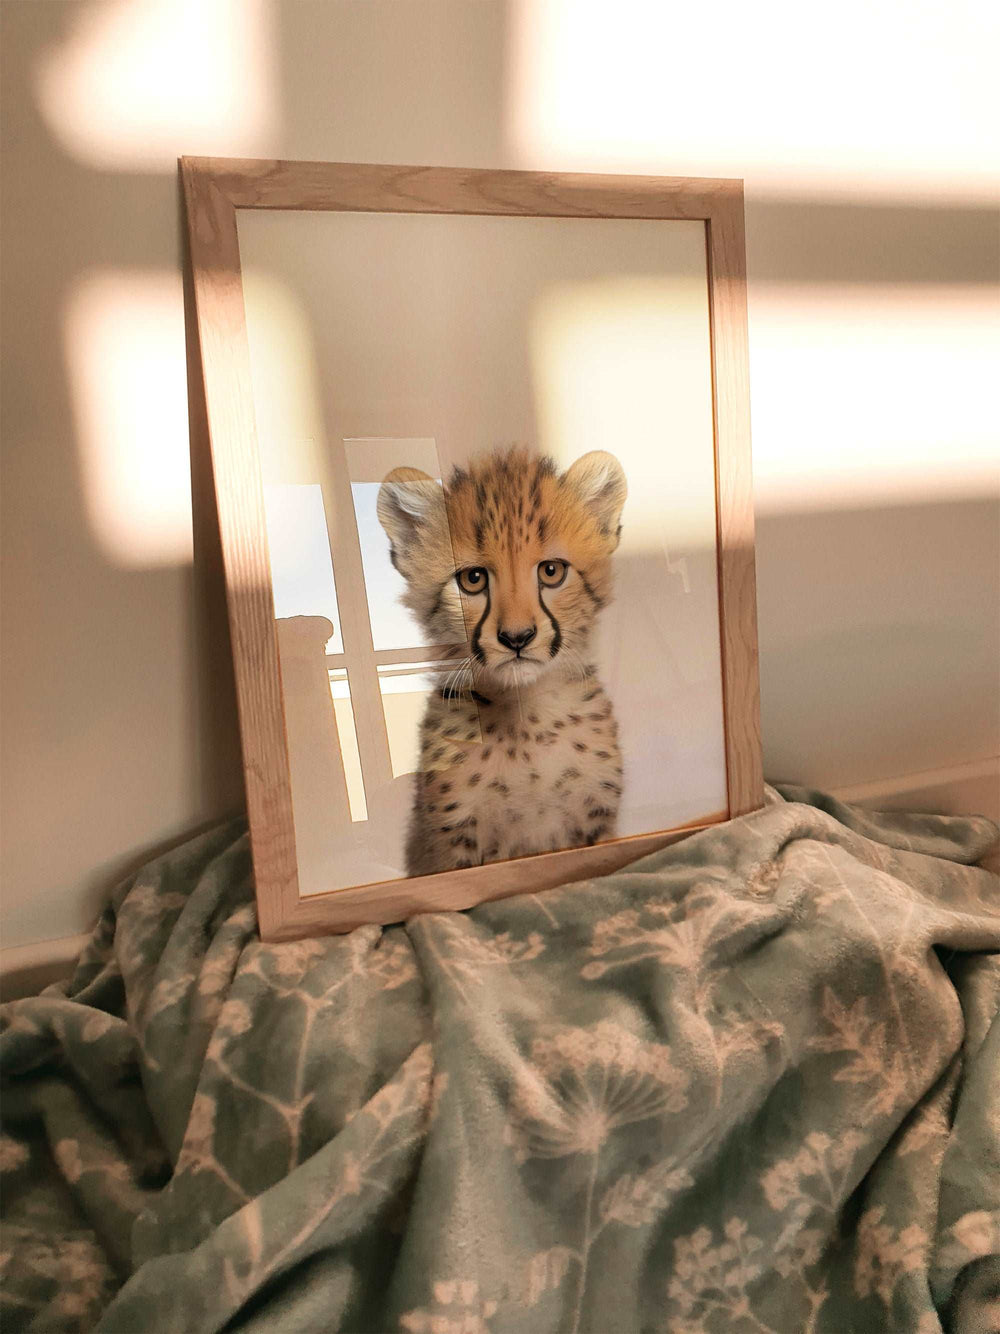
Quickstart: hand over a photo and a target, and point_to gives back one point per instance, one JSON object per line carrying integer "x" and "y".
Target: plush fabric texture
{"x": 751, "y": 1083}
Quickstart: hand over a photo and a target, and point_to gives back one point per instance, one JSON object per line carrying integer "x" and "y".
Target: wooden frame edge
{"x": 734, "y": 503}
{"x": 214, "y": 188}
{"x": 393, "y": 901}
{"x": 232, "y": 434}
{"x": 352, "y": 186}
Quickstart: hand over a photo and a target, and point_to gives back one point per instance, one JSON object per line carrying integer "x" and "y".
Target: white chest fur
{"x": 525, "y": 775}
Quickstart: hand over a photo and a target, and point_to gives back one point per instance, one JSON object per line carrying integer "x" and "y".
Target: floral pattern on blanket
{"x": 749, "y": 1084}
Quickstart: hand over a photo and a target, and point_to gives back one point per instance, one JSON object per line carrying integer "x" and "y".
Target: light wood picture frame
{"x": 215, "y": 191}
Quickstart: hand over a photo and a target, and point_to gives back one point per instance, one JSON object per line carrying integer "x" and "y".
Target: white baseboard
{"x": 965, "y": 789}
{"x": 26, "y": 969}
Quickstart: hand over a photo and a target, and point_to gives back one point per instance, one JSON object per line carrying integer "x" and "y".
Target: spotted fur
{"x": 519, "y": 745}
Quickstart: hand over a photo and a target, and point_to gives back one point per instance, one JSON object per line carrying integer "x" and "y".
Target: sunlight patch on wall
{"x": 624, "y": 365}
{"x": 733, "y": 89}
{"x": 125, "y": 355}
{"x": 873, "y": 395}
{"x": 283, "y": 371}
{"x": 137, "y": 82}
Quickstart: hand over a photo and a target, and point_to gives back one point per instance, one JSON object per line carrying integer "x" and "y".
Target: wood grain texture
{"x": 734, "y": 503}
{"x": 214, "y": 188}
{"x": 225, "y": 359}
{"x": 366, "y": 187}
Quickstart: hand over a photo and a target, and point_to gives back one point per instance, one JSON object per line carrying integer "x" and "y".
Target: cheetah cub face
{"x": 510, "y": 557}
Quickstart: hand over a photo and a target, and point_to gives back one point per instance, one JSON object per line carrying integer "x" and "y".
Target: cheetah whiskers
{"x": 575, "y": 660}
{"x": 451, "y": 683}
{"x": 520, "y": 709}
{"x": 457, "y": 679}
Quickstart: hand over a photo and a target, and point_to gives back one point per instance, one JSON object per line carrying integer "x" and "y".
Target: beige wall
{"x": 878, "y": 584}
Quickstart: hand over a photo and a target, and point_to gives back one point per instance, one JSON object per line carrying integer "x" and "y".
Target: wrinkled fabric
{"x": 750, "y": 1083}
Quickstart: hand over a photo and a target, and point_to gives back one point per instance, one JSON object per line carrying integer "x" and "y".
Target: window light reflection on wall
{"x": 732, "y": 89}
{"x": 134, "y": 79}
{"x": 124, "y": 348}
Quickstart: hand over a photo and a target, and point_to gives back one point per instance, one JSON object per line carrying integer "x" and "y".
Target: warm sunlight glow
{"x": 288, "y": 409}
{"x": 624, "y": 365}
{"x": 917, "y": 420}
{"x": 138, "y": 82}
{"x": 124, "y": 339}
{"x": 283, "y": 365}
{"x": 893, "y": 98}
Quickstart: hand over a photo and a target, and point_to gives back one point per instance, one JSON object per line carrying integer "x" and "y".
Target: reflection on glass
{"x": 593, "y": 335}
{"x": 301, "y": 567}
{"x": 369, "y": 461}
{"x": 393, "y": 625}
{"x": 340, "y": 690}
{"x": 404, "y": 693}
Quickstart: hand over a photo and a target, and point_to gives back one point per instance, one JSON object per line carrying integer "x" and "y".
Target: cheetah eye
{"x": 551, "y": 573}
{"x": 472, "y": 580}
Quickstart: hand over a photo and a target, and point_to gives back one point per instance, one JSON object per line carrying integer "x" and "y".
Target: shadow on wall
{"x": 881, "y": 624}
{"x": 877, "y": 647}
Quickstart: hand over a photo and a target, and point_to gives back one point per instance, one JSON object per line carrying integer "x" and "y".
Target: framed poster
{"x": 482, "y": 463}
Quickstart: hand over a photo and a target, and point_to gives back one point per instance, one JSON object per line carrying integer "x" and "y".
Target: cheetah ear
{"x": 407, "y": 499}
{"x": 600, "y": 483}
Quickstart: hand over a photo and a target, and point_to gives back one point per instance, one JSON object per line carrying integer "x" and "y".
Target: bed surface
{"x": 751, "y": 1083}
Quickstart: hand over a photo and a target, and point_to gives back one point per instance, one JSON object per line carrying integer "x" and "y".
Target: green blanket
{"x": 749, "y": 1084}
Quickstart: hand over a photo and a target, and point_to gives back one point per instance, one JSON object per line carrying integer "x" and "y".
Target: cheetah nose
{"x": 517, "y": 639}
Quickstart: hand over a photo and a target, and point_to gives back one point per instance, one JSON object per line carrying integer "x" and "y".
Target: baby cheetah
{"x": 519, "y": 744}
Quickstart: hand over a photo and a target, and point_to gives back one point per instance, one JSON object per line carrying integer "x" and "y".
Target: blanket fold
{"x": 749, "y": 1083}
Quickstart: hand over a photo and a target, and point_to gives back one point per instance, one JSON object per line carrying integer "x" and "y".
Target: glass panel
{"x": 369, "y": 462}
{"x": 301, "y": 567}
{"x": 449, "y": 336}
{"x": 393, "y": 625}
{"x": 405, "y": 689}
{"x": 344, "y": 713}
